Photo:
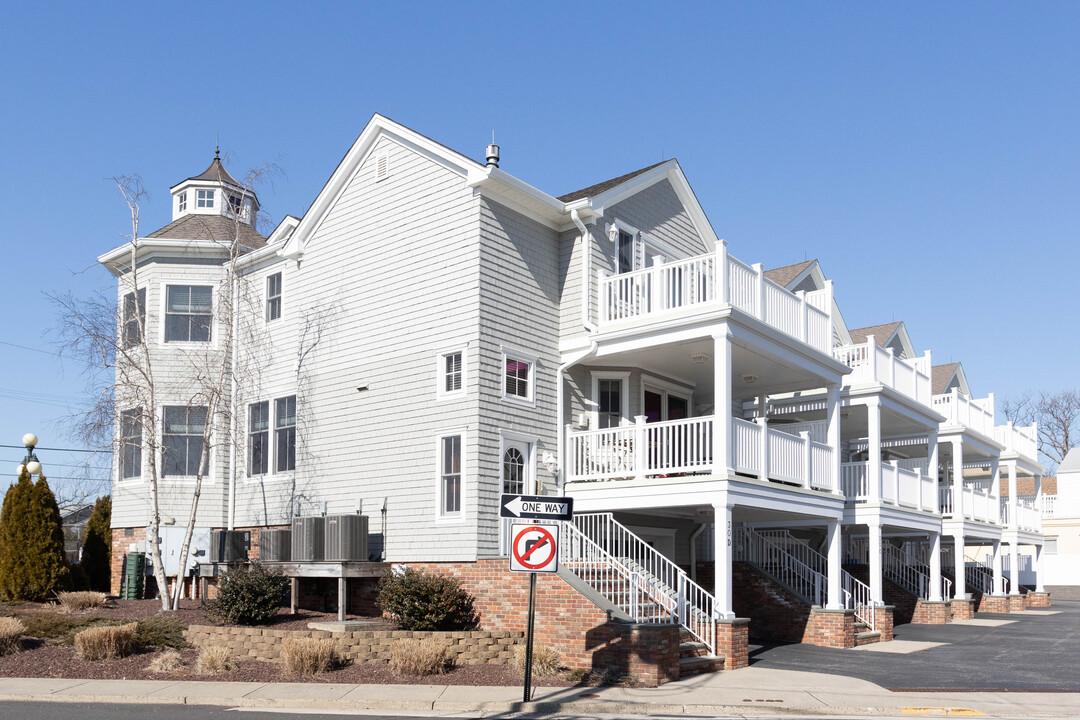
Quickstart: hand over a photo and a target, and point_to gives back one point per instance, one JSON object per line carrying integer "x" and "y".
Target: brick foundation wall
{"x": 962, "y": 609}
{"x": 1038, "y": 599}
{"x": 1016, "y": 603}
{"x": 931, "y": 613}
{"x": 732, "y": 641}
{"x": 994, "y": 604}
{"x": 472, "y": 647}
{"x": 830, "y": 628}
{"x": 883, "y": 622}
{"x": 774, "y": 613}
{"x": 566, "y": 620}
{"x": 120, "y": 542}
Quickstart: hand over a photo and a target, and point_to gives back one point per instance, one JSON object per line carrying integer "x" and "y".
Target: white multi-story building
{"x": 434, "y": 332}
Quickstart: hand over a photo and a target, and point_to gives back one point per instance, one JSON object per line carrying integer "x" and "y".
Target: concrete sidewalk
{"x": 750, "y": 691}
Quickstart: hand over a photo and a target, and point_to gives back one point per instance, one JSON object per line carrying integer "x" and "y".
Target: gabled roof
{"x": 941, "y": 375}
{"x": 1071, "y": 463}
{"x": 882, "y": 334}
{"x": 216, "y": 228}
{"x": 784, "y": 276}
{"x": 598, "y": 188}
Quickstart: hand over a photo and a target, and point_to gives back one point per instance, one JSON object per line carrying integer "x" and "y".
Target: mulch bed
{"x": 51, "y": 658}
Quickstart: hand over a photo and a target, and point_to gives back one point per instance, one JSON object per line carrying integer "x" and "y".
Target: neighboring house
{"x": 73, "y": 521}
{"x": 434, "y": 332}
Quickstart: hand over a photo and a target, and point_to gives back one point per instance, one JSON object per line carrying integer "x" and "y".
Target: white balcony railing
{"x": 1022, "y": 440}
{"x": 977, "y": 415}
{"x": 872, "y": 364}
{"x": 1049, "y": 506}
{"x": 1020, "y": 514}
{"x": 716, "y": 280}
{"x": 899, "y": 486}
{"x": 686, "y": 447}
{"x": 969, "y": 503}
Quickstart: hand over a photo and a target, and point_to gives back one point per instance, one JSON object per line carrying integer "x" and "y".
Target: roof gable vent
{"x": 382, "y": 166}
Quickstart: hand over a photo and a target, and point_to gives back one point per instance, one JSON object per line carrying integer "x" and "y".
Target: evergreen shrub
{"x": 419, "y": 600}
{"x": 248, "y": 595}
{"x": 32, "y": 564}
{"x": 97, "y": 546}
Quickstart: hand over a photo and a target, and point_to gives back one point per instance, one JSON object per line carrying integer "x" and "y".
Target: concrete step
{"x": 867, "y": 637}
{"x": 696, "y": 665}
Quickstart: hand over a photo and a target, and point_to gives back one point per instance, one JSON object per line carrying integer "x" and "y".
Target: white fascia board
{"x": 283, "y": 230}
{"x": 377, "y": 127}
{"x": 964, "y": 387}
{"x": 671, "y": 171}
{"x": 905, "y": 340}
{"x": 520, "y": 196}
{"x": 144, "y": 245}
{"x": 259, "y": 258}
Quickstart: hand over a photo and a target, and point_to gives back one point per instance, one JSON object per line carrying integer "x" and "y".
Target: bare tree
{"x": 111, "y": 339}
{"x": 1057, "y": 416}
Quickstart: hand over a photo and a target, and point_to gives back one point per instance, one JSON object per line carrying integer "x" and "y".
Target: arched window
{"x": 513, "y": 471}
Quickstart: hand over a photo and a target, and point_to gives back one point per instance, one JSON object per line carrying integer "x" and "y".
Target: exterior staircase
{"x": 641, "y": 584}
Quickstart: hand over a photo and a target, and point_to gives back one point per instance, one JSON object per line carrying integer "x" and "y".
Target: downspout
{"x": 586, "y": 272}
{"x": 560, "y": 434}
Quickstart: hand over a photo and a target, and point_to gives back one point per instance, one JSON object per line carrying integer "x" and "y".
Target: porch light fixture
{"x": 700, "y": 357}
{"x": 30, "y": 463}
{"x": 749, "y": 378}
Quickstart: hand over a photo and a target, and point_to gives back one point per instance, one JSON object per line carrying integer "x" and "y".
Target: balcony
{"x": 686, "y": 447}
{"x": 1021, "y": 440}
{"x": 1021, "y": 515}
{"x": 976, "y": 415}
{"x": 683, "y": 288}
{"x": 871, "y": 364}
{"x": 968, "y": 503}
{"x": 900, "y": 486}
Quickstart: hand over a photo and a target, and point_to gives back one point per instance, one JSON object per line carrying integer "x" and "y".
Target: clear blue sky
{"x": 926, "y": 153}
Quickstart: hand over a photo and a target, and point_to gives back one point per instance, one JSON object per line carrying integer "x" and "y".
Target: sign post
{"x": 534, "y": 548}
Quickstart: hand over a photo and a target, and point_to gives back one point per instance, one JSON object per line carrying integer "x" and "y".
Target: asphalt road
{"x": 1028, "y": 652}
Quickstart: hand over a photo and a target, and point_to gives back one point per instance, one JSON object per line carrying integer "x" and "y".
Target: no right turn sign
{"x": 534, "y": 548}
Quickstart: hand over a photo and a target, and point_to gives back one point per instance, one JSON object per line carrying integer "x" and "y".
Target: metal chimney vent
{"x": 307, "y": 539}
{"x": 346, "y": 537}
{"x": 275, "y": 545}
{"x": 493, "y": 155}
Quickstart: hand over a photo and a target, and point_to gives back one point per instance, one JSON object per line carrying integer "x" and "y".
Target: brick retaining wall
{"x": 962, "y": 609}
{"x": 994, "y": 604}
{"x": 467, "y": 647}
{"x": 1038, "y": 599}
{"x": 931, "y": 613}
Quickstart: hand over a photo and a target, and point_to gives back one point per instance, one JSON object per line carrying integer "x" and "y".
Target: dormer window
{"x": 181, "y": 202}
{"x": 204, "y": 198}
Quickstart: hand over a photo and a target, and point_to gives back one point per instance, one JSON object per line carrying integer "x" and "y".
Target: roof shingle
{"x": 598, "y": 188}
{"x": 783, "y": 276}
{"x": 940, "y": 375}
{"x": 881, "y": 333}
{"x": 217, "y": 228}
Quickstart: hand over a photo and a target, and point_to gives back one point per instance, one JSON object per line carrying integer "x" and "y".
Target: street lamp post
{"x": 30, "y": 463}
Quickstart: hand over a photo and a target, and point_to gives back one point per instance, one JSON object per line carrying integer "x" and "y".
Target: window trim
{"x": 271, "y": 298}
{"x": 511, "y": 354}
{"x": 267, "y": 446}
{"x": 460, "y": 516}
{"x": 208, "y": 476}
{"x": 594, "y": 397}
{"x": 181, "y": 202}
{"x": 441, "y": 393}
{"x": 274, "y": 428}
{"x": 138, "y": 297}
{"x": 164, "y": 287}
{"x": 137, "y": 411}
{"x": 205, "y": 198}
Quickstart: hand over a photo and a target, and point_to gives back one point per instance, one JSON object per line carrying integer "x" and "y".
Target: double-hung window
{"x": 259, "y": 438}
{"x": 181, "y": 202}
{"x": 450, "y": 476}
{"x": 182, "y": 439}
{"x": 188, "y": 313}
{"x": 204, "y": 198}
{"x": 609, "y": 403}
{"x": 450, "y": 374}
{"x": 134, "y": 317}
{"x": 285, "y": 434}
{"x": 519, "y": 377}
{"x": 130, "y": 444}
{"x": 273, "y": 297}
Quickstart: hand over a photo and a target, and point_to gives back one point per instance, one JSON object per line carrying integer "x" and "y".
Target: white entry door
{"x": 517, "y": 471}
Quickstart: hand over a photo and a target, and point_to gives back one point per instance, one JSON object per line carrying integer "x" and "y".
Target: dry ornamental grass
{"x": 11, "y": 632}
{"x": 545, "y": 660}
{"x": 419, "y": 657}
{"x": 214, "y": 660}
{"x": 166, "y": 662}
{"x": 103, "y": 643}
{"x": 72, "y": 602}
{"x": 308, "y": 656}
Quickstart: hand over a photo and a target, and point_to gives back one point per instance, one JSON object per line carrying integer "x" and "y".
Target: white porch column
{"x": 932, "y": 469}
{"x": 1014, "y": 568}
{"x": 876, "y": 592}
{"x": 1038, "y": 565}
{"x": 958, "y": 476}
{"x": 835, "y": 598}
{"x": 935, "y": 567}
{"x": 873, "y": 473}
{"x": 722, "y": 556}
{"x": 832, "y": 419}
{"x": 959, "y": 578}
{"x": 995, "y": 561}
{"x": 995, "y": 486}
{"x": 1011, "y": 464}
{"x": 722, "y": 440}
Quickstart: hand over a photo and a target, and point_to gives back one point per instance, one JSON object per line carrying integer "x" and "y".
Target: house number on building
{"x": 534, "y": 548}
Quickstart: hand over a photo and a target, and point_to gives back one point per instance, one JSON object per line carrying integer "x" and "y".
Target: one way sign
{"x": 536, "y": 507}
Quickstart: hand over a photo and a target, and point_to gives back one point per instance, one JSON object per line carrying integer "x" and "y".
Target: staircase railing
{"x": 636, "y": 577}
{"x": 979, "y": 574}
{"x": 910, "y": 573}
{"x": 856, "y": 593}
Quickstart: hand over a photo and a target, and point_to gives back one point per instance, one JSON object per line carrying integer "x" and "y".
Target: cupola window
{"x": 181, "y": 202}
{"x": 204, "y": 198}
